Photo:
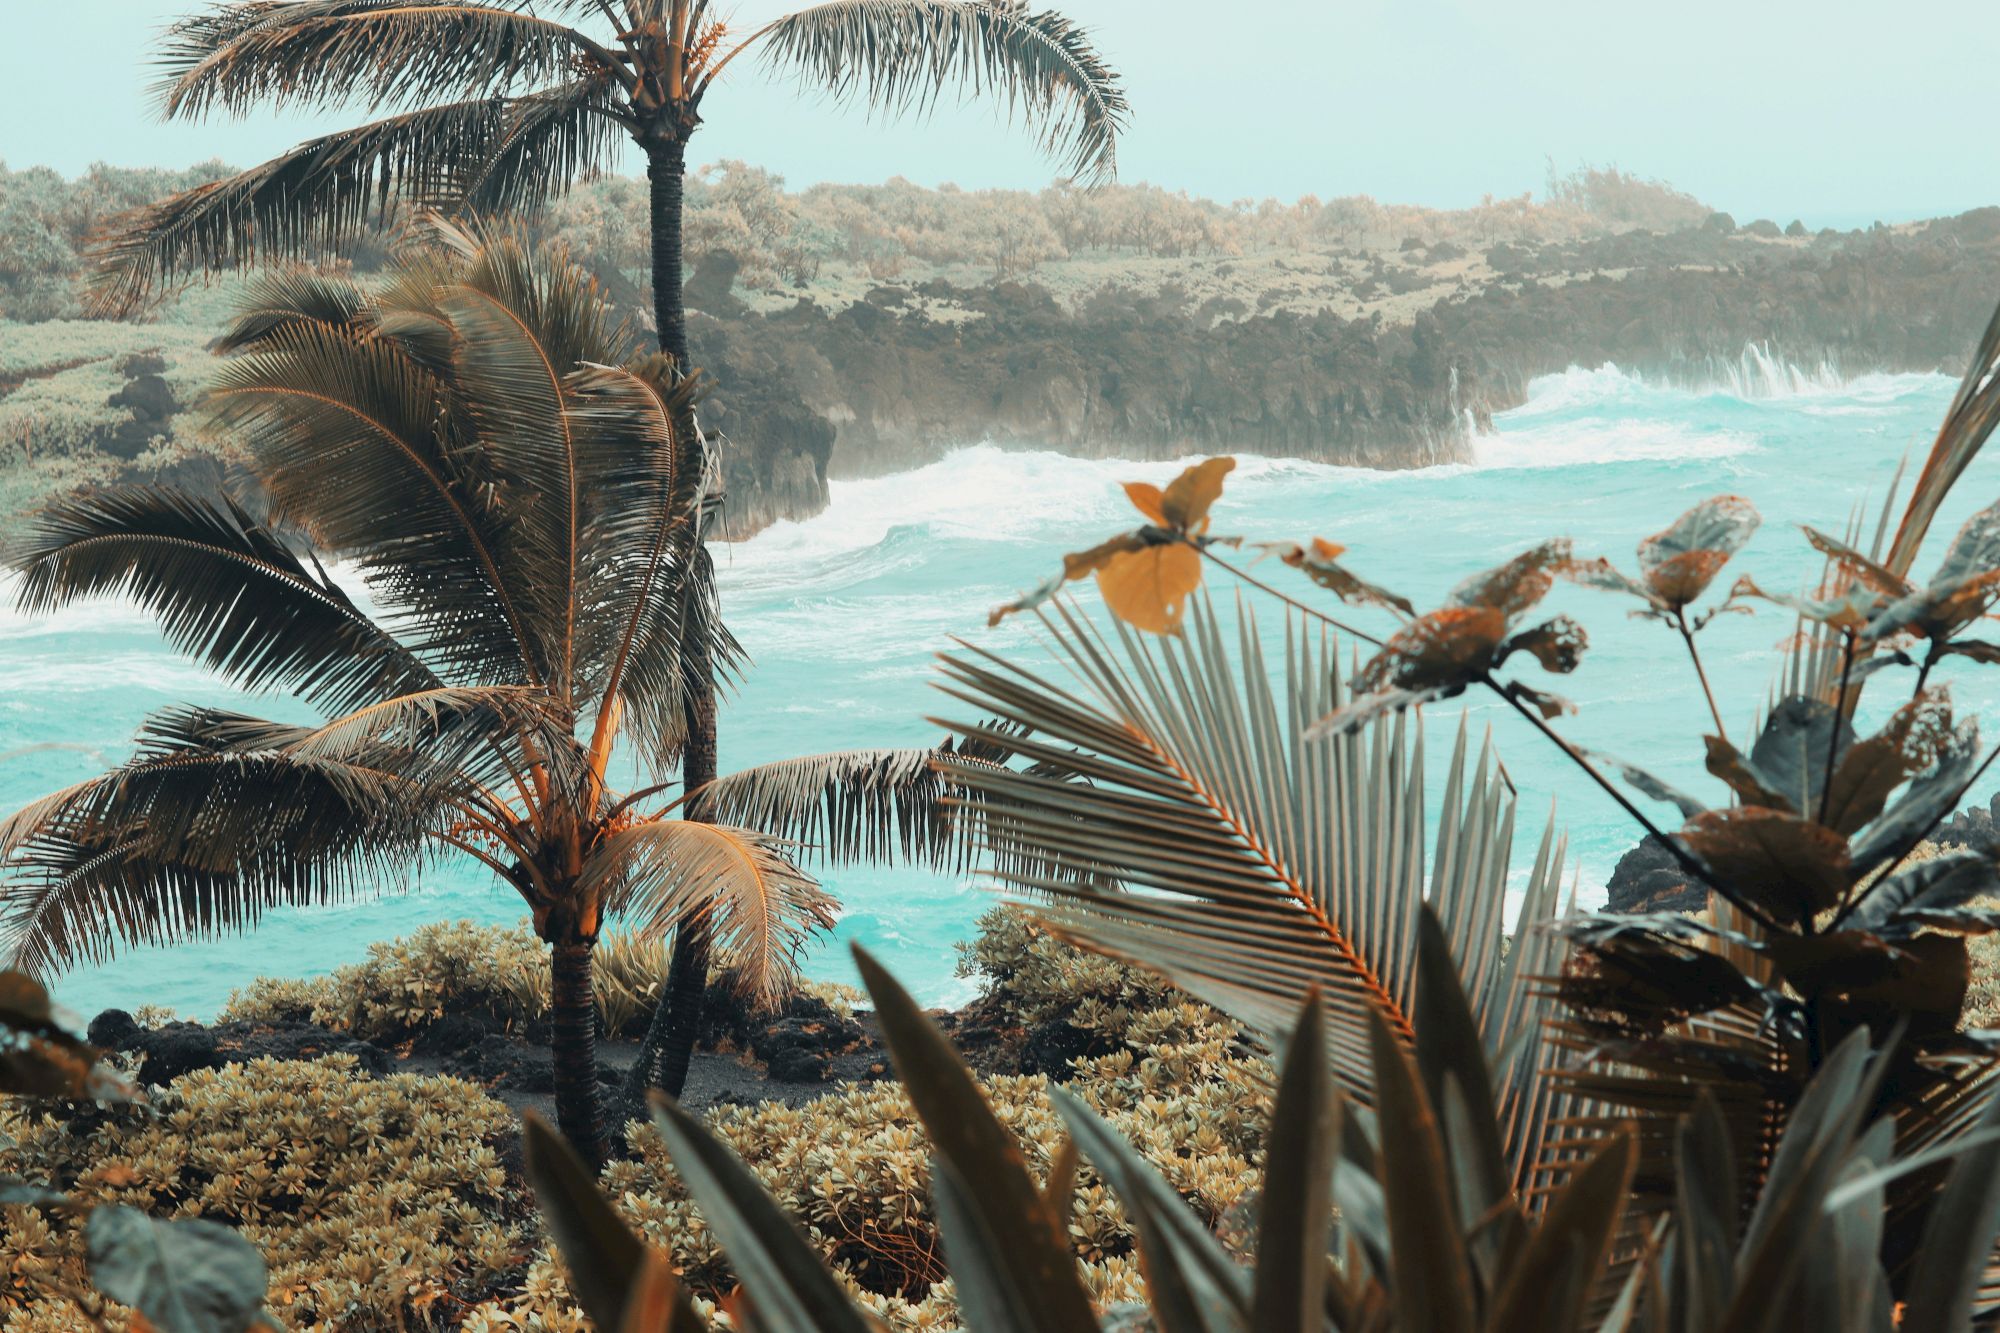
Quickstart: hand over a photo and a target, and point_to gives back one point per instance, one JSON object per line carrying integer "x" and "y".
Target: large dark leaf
{"x": 1794, "y": 749}
{"x": 1037, "y": 1271}
{"x": 1430, "y": 1272}
{"x": 605, "y": 1259}
{"x": 186, "y": 1276}
{"x": 1941, "y": 883}
{"x": 1787, "y": 866}
{"x": 1871, "y": 770}
{"x": 1290, "y": 1285}
{"x": 782, "y": 1272}
{"x": 1958, "y": 1239}
{"x": 1193, "y": 1285}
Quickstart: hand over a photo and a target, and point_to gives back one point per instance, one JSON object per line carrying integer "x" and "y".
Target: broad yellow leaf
{"x": 1185, "y": 502}
{"x": 1147, "y": 499}
{"x": 1148, "y": 588}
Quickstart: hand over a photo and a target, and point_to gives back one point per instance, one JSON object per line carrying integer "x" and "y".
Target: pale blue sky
{"x": 1837, "y": 110}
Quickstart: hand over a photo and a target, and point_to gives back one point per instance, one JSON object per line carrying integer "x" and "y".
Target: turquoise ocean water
{"x": 844, "y": 612}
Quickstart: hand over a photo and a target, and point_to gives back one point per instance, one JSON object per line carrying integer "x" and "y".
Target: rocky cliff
{"x": 909, "y": 372}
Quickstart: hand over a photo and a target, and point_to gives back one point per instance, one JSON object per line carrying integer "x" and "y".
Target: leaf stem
{"x": 1680, "y": 854}
{"x": 1292, "y": 602}
{"x": 1694, "y": 655}
{"x": 1839, "y": 715}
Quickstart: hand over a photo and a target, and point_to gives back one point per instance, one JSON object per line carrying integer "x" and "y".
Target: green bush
{"x": 377, "y": 1202}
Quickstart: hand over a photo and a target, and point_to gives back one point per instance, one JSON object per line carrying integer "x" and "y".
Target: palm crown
{"x": 523, "y": 515}
{"x": 495, "y": 106}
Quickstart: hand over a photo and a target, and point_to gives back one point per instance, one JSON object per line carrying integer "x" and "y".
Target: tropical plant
{"x": 495, "y": 107}
{"x": 522, "y": 514}
{"x": 1400, "y": 1219}
{"x": 1212, "y": 797}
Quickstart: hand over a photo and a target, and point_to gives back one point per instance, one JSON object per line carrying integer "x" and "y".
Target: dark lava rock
{"x": 450, "y": 1035}
{"x": 113, "y": 1030}
{"x": 1976, "y": 826}
{"x": 1648, "y": 879}
{"x": 503, "y": 1062}
{"x": 1053, "y": 1044}
{"x": 173, "y": 1050}
{"x": 800, "y": 1048}
{"x": 181, "y": 1048}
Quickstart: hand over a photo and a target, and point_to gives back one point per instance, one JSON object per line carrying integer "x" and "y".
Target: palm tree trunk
{"x": 669, "y": 1043}
{"x": 579, "y": 1109}
{"x": 666, "y": 174}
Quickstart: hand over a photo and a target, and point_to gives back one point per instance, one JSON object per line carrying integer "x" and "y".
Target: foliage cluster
{"x": 497, "y": 973}
{"x": 900, "y": 231}
{"x": 46, "y": 220}
{"x": 854, "y": 1167}
{"x": 376, "y": 1202}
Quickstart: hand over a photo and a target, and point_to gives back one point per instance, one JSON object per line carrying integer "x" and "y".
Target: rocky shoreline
{"x": 1373, "y": 360}
{"x": 894, "y": 380}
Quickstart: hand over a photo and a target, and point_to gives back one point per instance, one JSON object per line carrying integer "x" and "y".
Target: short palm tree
{"x": 492, "y": 107}
{"x": 521, "y": 515}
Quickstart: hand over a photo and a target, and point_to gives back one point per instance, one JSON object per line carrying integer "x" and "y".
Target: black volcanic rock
{"x": 1648, "y": 879}
{"x": 174, "y": 1049}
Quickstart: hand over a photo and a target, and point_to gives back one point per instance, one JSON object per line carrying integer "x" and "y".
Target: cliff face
{"x": 884, "y": 383}
{"x": 1135, "y": 376}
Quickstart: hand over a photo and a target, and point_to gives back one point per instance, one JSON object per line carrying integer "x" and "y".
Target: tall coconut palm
{"x": 493, "y": 106}
{"x": 521, "y": 516}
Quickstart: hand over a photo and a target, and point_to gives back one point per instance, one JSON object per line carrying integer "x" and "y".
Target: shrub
{"x": 376, "y": 1202}
{"x": 499, "y": 973}
{"x": 854, "y": 1168}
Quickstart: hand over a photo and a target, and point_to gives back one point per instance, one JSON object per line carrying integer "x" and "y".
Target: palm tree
{"x": 522, "y": 517}
{"x": 489, "y": 106}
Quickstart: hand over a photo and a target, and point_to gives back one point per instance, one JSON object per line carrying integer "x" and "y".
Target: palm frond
{"x": 1974, "y": 411}
{"x": 187, "y": 840}
{"x": 347, "y": 436}
{"x": 376, "y": 52}
{"x": 1254, "y": 866}
{"x": 759, "y": 909}
{"x": 649, "y": 478}
{"x": 897, "y": 56}
{"x": 285, "y": 296}
{"x": 308, "y": 202}
{"x": 858, "y": 805}
{"x": 226, "y": 590}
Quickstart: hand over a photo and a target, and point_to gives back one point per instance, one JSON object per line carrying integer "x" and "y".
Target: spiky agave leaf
{"x": 896, "y": 56}
{"x": 1974, "y": 411}
{"x": 758, "y": 907}
{"x": 1255, "y": 865}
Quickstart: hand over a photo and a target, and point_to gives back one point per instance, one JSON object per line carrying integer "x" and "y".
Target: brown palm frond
{"x": 1974, "y": 411}
{"x": 347, "y": 436}
{"x": 879, "y": 805}
{"x": 375, "y": 52}
{"x": 187, "y": 841}
{"x": 284, "y": 296}
{"x": 640, "y": 443}
{"x": 758, "y": 908}
{"x": 306, "y": 203}
{"x": 1255, "y": 866}
{"x": 897, "y": 56}
{"x": 226, "y": 590}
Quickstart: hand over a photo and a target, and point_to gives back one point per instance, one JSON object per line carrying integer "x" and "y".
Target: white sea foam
{"x": 1593, "y": 441}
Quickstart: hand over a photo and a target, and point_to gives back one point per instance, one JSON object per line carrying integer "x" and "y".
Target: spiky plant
{"x": 521, "y": 513}
{"x": 490, "y": 106}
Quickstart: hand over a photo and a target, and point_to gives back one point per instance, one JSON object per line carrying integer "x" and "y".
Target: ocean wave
{"x": 1594, "y": 441}
{"x": 1758, "y": 375}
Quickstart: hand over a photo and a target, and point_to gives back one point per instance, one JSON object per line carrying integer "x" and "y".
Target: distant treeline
{"x": 888, "y": 232}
